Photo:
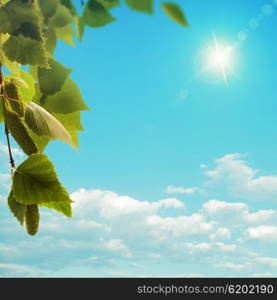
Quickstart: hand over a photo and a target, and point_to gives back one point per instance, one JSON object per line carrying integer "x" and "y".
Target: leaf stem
{"x": 6, "y": 128}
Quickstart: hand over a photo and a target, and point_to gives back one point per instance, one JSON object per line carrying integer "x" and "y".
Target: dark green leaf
{"x": 96, "y": 15}
{"x": 19, "y": 132}
{"x": 61, "y": 18}
{"x": 175, "y": 13}
{"x": 50, "y": 40}
{"x": 25, "y": 51}
{"x": 67, "y": 100}
{"x": 141, "y": 5}
{"x": 48, "y": 7}
{"x": 15, "y": 13}
{"x": 62, "y": 207}
{"x": 35, "y": 181}
{"x": 69, "y": 4}
{"x": 16, "y": 208}
{"x": 51, "y": 80}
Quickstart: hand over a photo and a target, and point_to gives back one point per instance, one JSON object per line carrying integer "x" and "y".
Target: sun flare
{"x": 220, "y": 58}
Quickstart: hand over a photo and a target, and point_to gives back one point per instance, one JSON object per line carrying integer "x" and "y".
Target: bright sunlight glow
{"x": 220, "y": 58}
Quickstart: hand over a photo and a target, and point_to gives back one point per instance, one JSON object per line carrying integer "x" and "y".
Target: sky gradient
{"x": 177, "y": 170}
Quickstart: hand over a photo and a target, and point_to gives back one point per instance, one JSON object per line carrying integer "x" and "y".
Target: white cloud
{"x": 241, "y": 180}
{"x": 268, "y": 261}
{"x": 263, "y": 233}
{"x": 231, "y": 266}
{"x": 117, "y": 245}
{"x": 178, "y": 226}
{"x": 15, "y": 151}
{"x": 221, "y": 233}
{"x": 179, "y": 190}
{"x": 17, "y": 270}
{"x": 110, "y": 205}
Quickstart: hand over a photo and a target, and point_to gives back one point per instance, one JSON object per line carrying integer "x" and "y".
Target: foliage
{"x": 39, "y": 102}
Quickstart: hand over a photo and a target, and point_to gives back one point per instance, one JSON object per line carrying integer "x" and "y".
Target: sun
{"x": 220, "y": 58}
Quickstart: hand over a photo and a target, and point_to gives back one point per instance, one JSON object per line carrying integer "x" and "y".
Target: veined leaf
{"x": 32, "y": 219}
{"x": 51, "y": 80}
{"x": 18, "y": 209}
{"x": 25, "y": 50}
{"x": 66, "y": 34}
{"x": 16, "y": 103}
{"x": 96, "y": 15}
{"x": 16, "y": 12}
{"x": 48, "y": 7}
{"x": 141, "y": 5}
{"x": 40, "y": 141}
{"x": 42, "y": 123}
{"x": 61, "y": 207}
{"x": 35, "y": 181}
{"x": 61, "y": 18}
{"x": 175, "y": 13}
{"x": 67, "y": 100}
{"x": 19, "y": 131}
{"x": 29, "y": 30}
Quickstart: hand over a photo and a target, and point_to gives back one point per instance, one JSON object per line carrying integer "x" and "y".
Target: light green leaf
{"x": 40, "y": 141}
{"x": 80, "y": 27}
{"x": 175, "y": 13}
{"x": 67, "y": 100}
{"x": 42, "y": 123}
{"x": 16, "y": 12}
{"x": 35, "y": 181}
{"x": 61, "y": 18}
{"x": 141, "y": 5}
{"x": 66, "y": 34}
{"x": 50, "y": 40}
{"x": 96, "y": 15}
{"x": 72, "y": 123}
{"x": 48, "y": 7}
{"x": 25, "y": 51}
{"x": 51, "y": 80}
{"x": 18, "y": 209}
{"x": 69, "y": 4}
{"x": 1, "y": 110}
{"x": 62, "y": 207}
{"x": 19, "y": 131}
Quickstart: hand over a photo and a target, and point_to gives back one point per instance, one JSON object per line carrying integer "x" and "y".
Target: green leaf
{"x": 48, "y": 7}
{"x": 66, "y": 34}
{"x": 13, "y": 97}
{"x": 42, "y": 123}
{"x": 62, "y": 207}
{"x": 15, "y": 13}
{"x": 141, "y": 5}
{"x": 25, "y": 51}
{"x": 35, "y": 181}
{"x": 29, "y": 30}
{"x": 27, "y": 92}
{"x": 67, "y": 100}
{"x": 51, "y": 80}
{"x": 19, "y": 132}
{"x": 72, "y": 123}
{"x": 18, "y": 209}
{"x": 69, "y": 4}
{"x": 80, "y": 27}
{"x": 1, "y": 110}
{"x": 40, "y": 141}
{"x": 32, "y": 219}
{"x": 50, "y": 40}
{"x": 108, "y": 4}
{"x": 96, "y": 15}
{"x": 61, "y": 18}
{"x": 175, "y": 13}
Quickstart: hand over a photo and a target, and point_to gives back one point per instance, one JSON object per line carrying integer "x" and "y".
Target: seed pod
{"x": 32, "y": 219}
{"x": 19, "y": 131}
{"x": 16, "y": 103}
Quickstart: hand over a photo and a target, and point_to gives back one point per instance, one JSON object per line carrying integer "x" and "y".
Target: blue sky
{"x": 177, "y": 170}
